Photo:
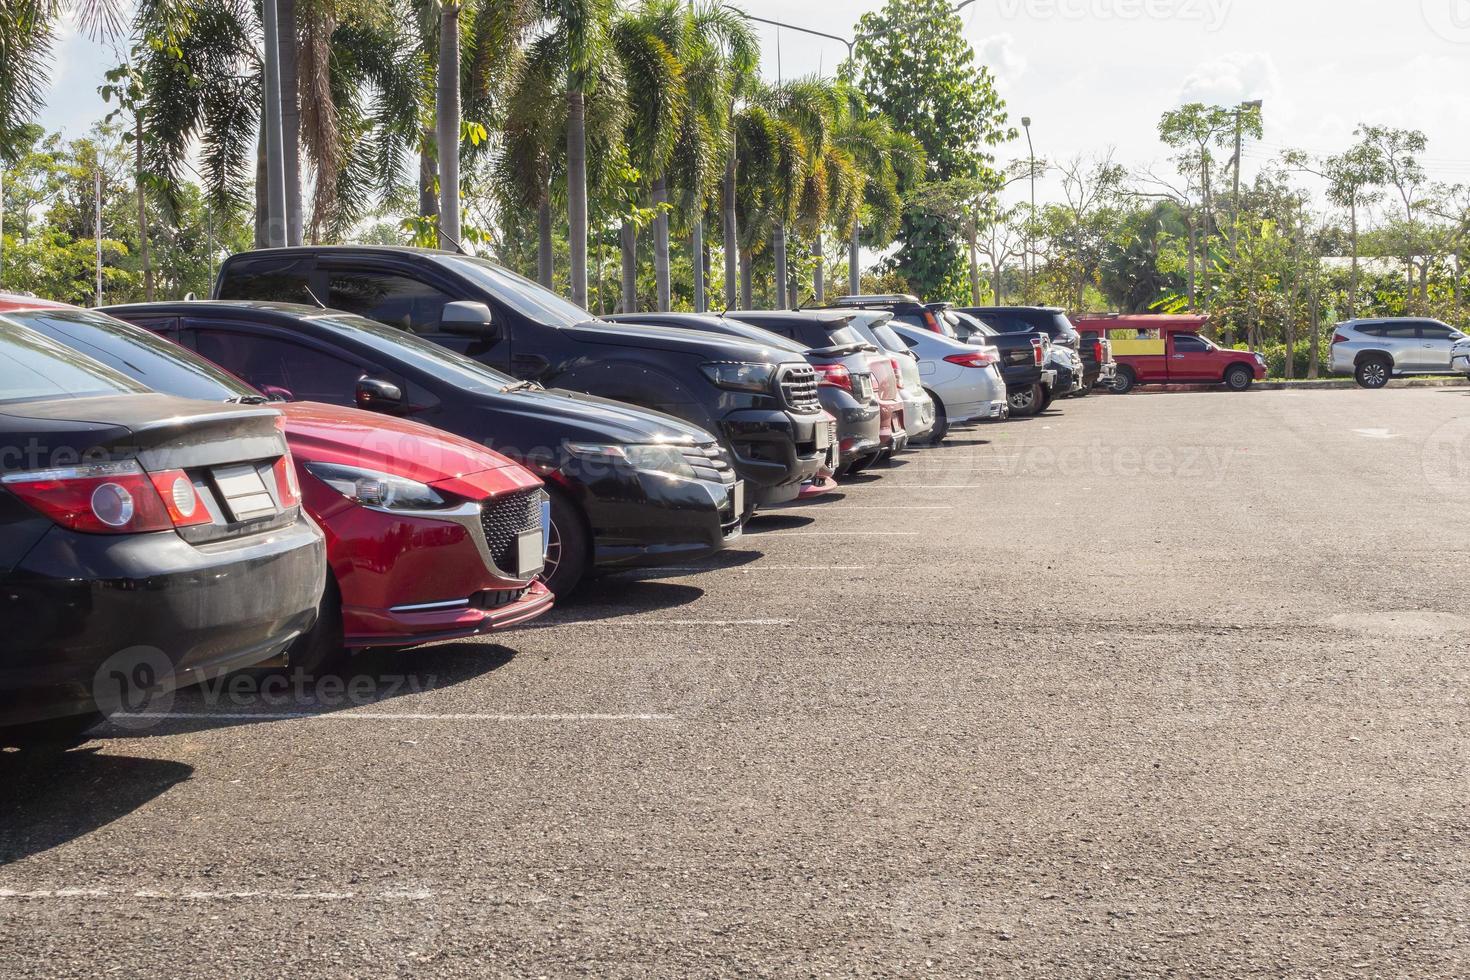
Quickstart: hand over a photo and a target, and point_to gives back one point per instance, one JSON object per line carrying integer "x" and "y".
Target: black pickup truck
{"x": 1096, "y": 353}
{"x": 1030, "y": 382}
{"x": 761, "y": 404}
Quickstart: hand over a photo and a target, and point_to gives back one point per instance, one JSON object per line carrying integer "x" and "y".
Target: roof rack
{"x": 886, "y": 299}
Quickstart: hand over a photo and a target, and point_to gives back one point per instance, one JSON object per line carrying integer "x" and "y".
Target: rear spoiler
{"x": 843, "y": 350}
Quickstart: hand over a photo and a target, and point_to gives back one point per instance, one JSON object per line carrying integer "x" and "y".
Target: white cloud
{"x": 1231, "y": 79}
{"x": 1002, "y": 55}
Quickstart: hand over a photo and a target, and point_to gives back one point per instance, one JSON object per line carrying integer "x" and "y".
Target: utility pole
{"x": 1029, "y": 261}
{"x": 97, "y": 226}
{"x": 1235, "y": 195}
{"x": 275, "y": 161}
{"x": 696, "y": 241}
{"x": 448, "y": 119}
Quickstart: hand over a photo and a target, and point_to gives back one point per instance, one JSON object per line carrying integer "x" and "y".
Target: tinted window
{"x": 406, "y": 349}
{"x": 33, "y": 366}
{"x": 1401, "y": 331}
{"x": 1189, "y": 344}
{"x": 398, "y": 301}
{"x": 269, "y": 278}
{"x": 889, "y": 339}
{"x": 145, "y": 357}
{"x": 531, "y": 300}
{"x": 1372, "y": 330}
{"x": 308, "y": 374}
{"x": 1436, "y": 331}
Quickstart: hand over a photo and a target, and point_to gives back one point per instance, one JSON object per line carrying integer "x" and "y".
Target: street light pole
{"x": 1030, "y": 262}
{"x": 1235, "y": 195}
{"x": 275, "y": 161}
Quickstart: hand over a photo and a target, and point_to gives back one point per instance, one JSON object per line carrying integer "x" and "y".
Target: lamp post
{"x": 1030, "y": 263}
{"x": 1235, "y": 194}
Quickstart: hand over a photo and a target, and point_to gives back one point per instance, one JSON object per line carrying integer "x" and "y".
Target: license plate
{"x": 737, "y": 498}
{"x": 530, "y": 553}
{"x": 244, "y": 492}
{"x": 824, "y": 438}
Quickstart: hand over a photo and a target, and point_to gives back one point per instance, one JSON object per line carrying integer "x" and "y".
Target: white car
{"x": 1460, "y": 357}
{"x": 964, "y": 380}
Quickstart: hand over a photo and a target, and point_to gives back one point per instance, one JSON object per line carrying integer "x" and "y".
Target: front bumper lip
{"x": 431, "y": 622}
{"x": 643, "y": 521}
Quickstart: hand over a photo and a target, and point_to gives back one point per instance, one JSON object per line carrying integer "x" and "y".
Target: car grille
{"x": 506, "y": 517}
{"x": 709, "y": 463}
{"x": 799, "y": 389}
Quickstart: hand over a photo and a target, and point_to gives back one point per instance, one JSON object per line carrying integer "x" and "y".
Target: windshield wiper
{"x": 247, "y": 400}
{"x": 521, "y": 386}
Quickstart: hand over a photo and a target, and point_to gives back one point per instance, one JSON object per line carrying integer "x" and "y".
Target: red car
{"x": 1166, "y": 350}
{"x": 429, "y": 536}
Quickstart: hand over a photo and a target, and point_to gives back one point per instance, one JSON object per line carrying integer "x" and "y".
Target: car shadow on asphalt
{"x": 52, "y": 797}
{"x": 761, "y": 523}
{"x": 615, "y": 596}
{"x": 258, "y": 697}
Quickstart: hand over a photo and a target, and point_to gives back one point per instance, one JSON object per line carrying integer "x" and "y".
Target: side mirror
{"x": 277, "y": 394}
{"x": 377, "y": 395}
{"x": 469, "y": 319}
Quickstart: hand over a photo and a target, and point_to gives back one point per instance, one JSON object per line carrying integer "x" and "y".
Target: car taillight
{"x": 1098, "y": 353}
{"x": 896, "y": 372}
{"x": 833, "y": 376}
{"x": 100, "y": 498}
{"x": 286, "y": 485}
{"x": 1338, "y": 338}
{"x": 180, "y": 498}
{"x": 931, "y": 322}
{"x": 977, "y": 359}
{"x": 1038, "y": 353}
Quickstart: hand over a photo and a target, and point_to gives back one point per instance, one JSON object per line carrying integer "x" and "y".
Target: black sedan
{"x": 146, "y": 542}
{"x": 630, "y": 487}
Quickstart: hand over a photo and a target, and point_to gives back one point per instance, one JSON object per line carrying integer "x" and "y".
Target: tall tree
{"x": 1397, "y": 153}
{"x": 1351, "y": 177}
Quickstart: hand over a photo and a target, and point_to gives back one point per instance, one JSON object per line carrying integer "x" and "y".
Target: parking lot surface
{"x": 1165, "y": 685}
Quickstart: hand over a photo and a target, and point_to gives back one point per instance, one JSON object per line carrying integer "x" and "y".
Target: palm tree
{"x": 889, "y": 162}
{"x": 806, "y": 111}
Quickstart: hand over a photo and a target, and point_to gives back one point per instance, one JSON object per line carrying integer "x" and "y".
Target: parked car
{"x": 629, "y": 487}
{"x": 1156, "y": 349}
{"x": 965, "y": 379}
{"x": 904, "y": 308}
{"x": 920, "y": 410}
{"x": 1060, "y": 331}
{"x": 1374, "y": 351}
{"x": 845, "y": 379}
{"x": 762, "y": 404}
{"x": 429, "y": 536}
{"x": 147, "y": 542}
{"x": 1030, "y": 383}
{"x": 1071, "y": 373}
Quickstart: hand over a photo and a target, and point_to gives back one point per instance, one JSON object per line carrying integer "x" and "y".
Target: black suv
{"x": 1053, "y": 322}
{"x": 761, "y": 403}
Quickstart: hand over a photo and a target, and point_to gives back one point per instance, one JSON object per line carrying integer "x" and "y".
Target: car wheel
{"x": 1048, "y": 395}
{"x": 568, "y": 546}
{"x": 320, "y": 648}
{"x": 1125, "y": 381}
{"x": 56, "y": 734}
{"x": 1239, "y": 378}
{"x": 1027, "y": 402}
{"x": 1374, "y": 373}
{"x": 941, "y": 421}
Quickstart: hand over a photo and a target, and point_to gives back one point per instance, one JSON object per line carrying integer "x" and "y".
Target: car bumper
{"x": 918, "y": 416}
{"x": 1460, "y": 364}
{"x": 79, "y": 602}
{"x": 645, "y": 520}
{"x": 775, "y": 452}
{"x": 858, "y": 425}
{"x": 413, "y": 624}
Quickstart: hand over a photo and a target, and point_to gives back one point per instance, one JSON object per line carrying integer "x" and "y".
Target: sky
{"x": 1095, "y": 75}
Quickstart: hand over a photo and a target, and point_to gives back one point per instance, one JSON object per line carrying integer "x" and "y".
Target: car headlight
{"x": 741, "y": 375}
{"x": 663, "y": 460}
{"x": 379, "y": 491}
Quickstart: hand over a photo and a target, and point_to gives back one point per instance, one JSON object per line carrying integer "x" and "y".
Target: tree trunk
{"x": 629, "y": 241}
{"x": 447, "y": 110}
{"x": 661, "y": 245}
{"x": 577, "y": 195}
{"x": 747, "y": 290}
{"x": 779, "y": 243}
{"x": 1193, "y": 256}
{"x": 262, "y": 192}
{"x": 545, "y": 261}
{"x": 819, "y": 277}
{"x": 854, "y": 262}
{"x": 995, "y": 284}
{"x": 289, "y": 46}
{"x": 696, "y": 256}
{"x": 1352, "y": 310}
{"x": 731, "y": 230}
{"x": 142, "y": 207}
{"x": 428, "y": 177}
{"x": 974, "y": 262}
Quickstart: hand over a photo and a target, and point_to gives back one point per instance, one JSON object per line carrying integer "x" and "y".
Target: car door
{"x": 1402, "y": 341}
{"x": 1192, "y": 358}
{"x": 410, "y": 301}
{"x": 287, "y": 365}
{"x": 1435, "y": 343}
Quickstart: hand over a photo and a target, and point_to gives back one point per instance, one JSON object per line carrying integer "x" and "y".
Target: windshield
{"x": 33, "y": 367}
{"x": 529, "y": 299}
{"x": 422, "y": 355}
{"x": 140, "y": 354}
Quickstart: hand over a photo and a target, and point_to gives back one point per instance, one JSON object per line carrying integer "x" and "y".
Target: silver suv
{"x": 1373, "y": 351}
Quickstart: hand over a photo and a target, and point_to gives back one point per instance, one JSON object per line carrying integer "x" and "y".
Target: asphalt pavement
{"x": 1156, "y": 685}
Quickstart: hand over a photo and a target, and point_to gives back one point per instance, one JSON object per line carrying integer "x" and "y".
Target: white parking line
{"x": 842, "y": 534}
{"x": 149, "y": 894}
{"x": 371, "y": 716}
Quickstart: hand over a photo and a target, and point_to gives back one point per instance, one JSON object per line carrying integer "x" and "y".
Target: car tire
{"x": 1239, "y": 378}
{"x": 941, "y": 421}
{"x": 1125, "y": 381}
{"x": 56, "y": 734}
{"x": 569, "y": 549}
{"x": 1028, "y": 403}
{"x": 1373, "y": 372}
{"x": 320, "y": 648}
{"x": 1048, "y": 395}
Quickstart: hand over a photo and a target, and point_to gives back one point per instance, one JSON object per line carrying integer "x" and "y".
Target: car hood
{"x": 579, "y": 417}
{"x": 709, "y": 346}
{"x": 398, "y": 447}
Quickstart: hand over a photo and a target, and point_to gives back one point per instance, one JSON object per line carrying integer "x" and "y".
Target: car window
{"x": 403, "y": 348}
{"x": 307, "y": 373}
{"x": 399, "y": 301}
{"x": 889, "y": 339}
{"x": 1436, "y": 331}
{"x": 269, "y": 278}
{"x": 1190, "y": 344}
{"x": 33, "y": 366}
{"x": 1400, "y": 331}
{"x": 143, "y": 356}
{"x": 531, "y": 300}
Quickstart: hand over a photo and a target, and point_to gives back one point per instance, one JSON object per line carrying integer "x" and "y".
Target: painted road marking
{"x": 149, "y": 894}
{"x": 371, "y": 716}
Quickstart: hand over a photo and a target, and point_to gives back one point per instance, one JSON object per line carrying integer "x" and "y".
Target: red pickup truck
{"x": 1167, "y": 350}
